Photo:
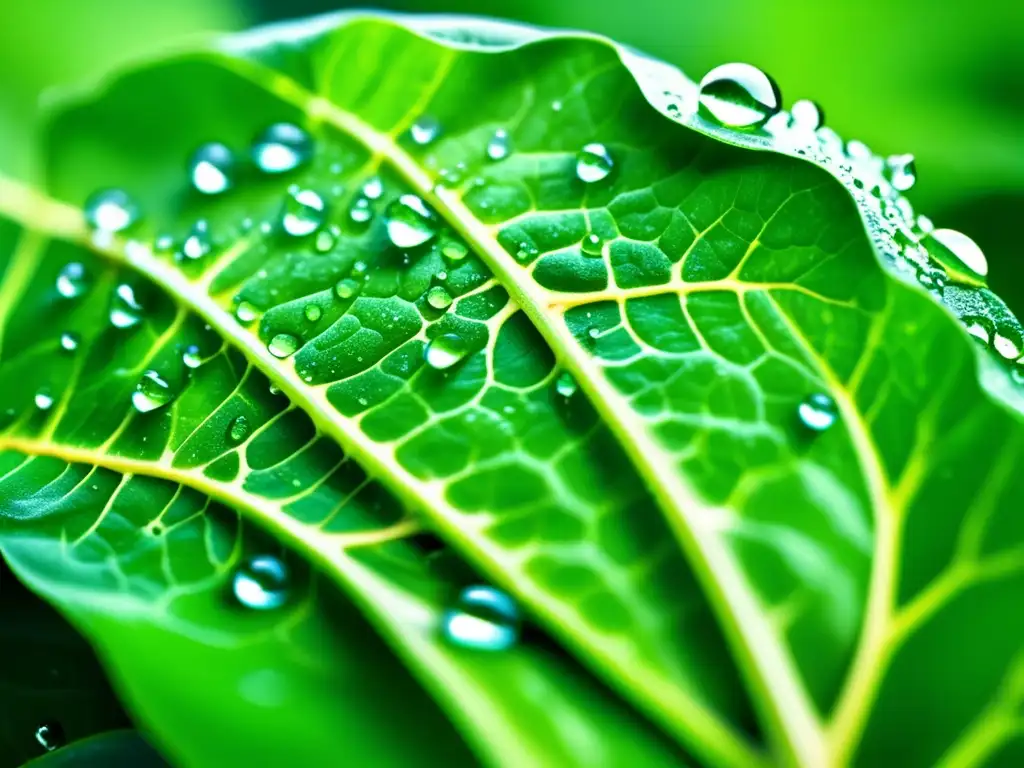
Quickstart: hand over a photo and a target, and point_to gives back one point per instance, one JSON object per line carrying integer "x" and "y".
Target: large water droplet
{"x": 312, "y": 312}
{"x": 373, "y": 188}
{"x": 500, "y": 145}
{"x": 980, "y": 327}
{"x": 439, "y": 298}
{"x": 283, "y": 345}
{"x": 303, "y": 213}
{"x": 957, "y": 252}
{"x": 325, "y": 240}
{"x": 238, "y": 429}
{"x": 445, "y": 351}
{"x": 50, "y": 736}
{"x": 282, "y": 147}
{"x": 72, "y": 281}
{"x": 1007, "y": 343}
{"x": 409, "y": 222}
{"x": 901, "y": 172}
{"x": 454, "y": 251}
{"x": 261, "y": 583}
{"x": 69, "y": 341}
{"x": 592, "y": 245}
{"x": 111, "y": 210}
{"x": 483, "y": 619}
{"x": 246, "y": 312}
{"x": 197, "y": 244}
{"x": 360, "y": 212}
{"x": 125, "y": 310}
{"x": 151, "y": 392}
{"x": 211, "y": 168}
{"x": 818, "y": 412}
{"x": 593, "y": 163}
{"x": 806, "y": 115}
{"x": 346, "y": 289}
{"x": 739, "y": 96}
{"x": 425, "y": 130}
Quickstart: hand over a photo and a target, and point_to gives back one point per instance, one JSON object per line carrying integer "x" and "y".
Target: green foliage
{"x": 522, "y": 315}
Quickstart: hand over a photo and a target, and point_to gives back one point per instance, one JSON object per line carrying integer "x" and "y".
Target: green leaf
{"x": 601, "y": 411}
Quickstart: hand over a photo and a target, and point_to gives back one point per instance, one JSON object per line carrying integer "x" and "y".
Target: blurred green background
{"x": 944, "y": 81}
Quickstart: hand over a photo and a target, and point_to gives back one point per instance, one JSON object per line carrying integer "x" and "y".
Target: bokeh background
{"x": 942, "y": 80}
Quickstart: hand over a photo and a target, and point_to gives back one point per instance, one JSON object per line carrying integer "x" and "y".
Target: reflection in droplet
{"x": 482, "y": 619}
{"x": 500, "y": 145}
{"x": 282, "y": 147}
{"x": 818, "y": 412}
{"x": 303, "y": 212}
{"x": 151, "y": 392}
{"x": 593, "y": 163}
{"x": 409, "y": 222}
{"x": 592, "y": 245}
{"x": 283, "y": 345}
{"x": 962, "y": 248}
{"x": 72, "y": 280}
{"x": 197, "y": 244}
{"x": 445, "y": 351}
{"x": 111, "y": 210}
{"x": 425, "y": 130}
{"x": 439, "y": 298}
{"x": 125, "y": 309}
{"x": 739, "y": 96}
{"x": 261, "y": 583}
{"x": 246, "y": 312}
{"x": 192, "y": 357}
{"x": 211, "y": 168}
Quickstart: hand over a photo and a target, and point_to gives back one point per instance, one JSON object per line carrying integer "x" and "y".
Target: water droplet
{"x": 261, "y": 583}
{"x": 151, "y": 392}
{"x": 454, "y": 251}
{"x": 818, "y": 412}
{"x": 346, "y": 289}
{"x": 409, "y": 222}
{"x": 283, "y": 345}
{"x": 807, "y": 115}
{"x": 282, "y": 147}
{"x": 593, "y": 163}
{"x": 238, "y": 429}
{"x": 69, "y": 341}
{"x": 325, "y": 240}
{"x": 360, "y": 212}
{"x": 50, "y": 736}
{"x": 901, "y": 172}
{"x": 312, "y": 312}
{"x": 43, "y": 400}
{"x": 981, "y": 328}
{"x": 246, "y": 312}
{"x": 565, "y": 384}
{"x": 483, "y": 619}
{"x": 125, "y": 310}
{"x": 197, "y": 244}
{"x": 211, "y": 168}
{"x": 373, "y": 188}
{"x": 360, "y": 268}
{"x": 500, "y": 145}
{"x": 72, "y": 280}
{"x": 445, "y": 351}
{"x": 303, "y": 212}
{"x": 439, "y": 298}
{"x": 592, "y": 245}
{"x": 192, "y": 357}
{"x": 425, "y": 130}
{"x": 956, "y": 249}
{"x": 1007, "y": 343}
{"x": 111, "y": 210}
{"x": 739, "y": 96}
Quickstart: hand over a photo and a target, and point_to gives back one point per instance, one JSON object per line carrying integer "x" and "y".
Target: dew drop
{"x": 111, "y": 210}
{"x": 425, "y": 130}
{"x": 346, "y": 289}
{"x": 439, "y": 298}
{"x": 211, "y": 168}
{"x": 282, "y": 147}
{"x": 818, "y": 412}
{"x": 312, "y": 312}
{"x": 594, "y": 332}
{"x": 125, "y": 310}
{"x": 454, "y": 251}
{"x": 192, "y": 357}
{"x": 246, "y": 312}
{"x": 963, "y": 251}
{"x": 373, "y": 188}
{"x": 50, "y": 736}
{"x": 72, "y": 280}
{"x": 807, "y": 115}
{"x": 482, "y": 619}
{"x": 43, "y": 400}
{"x": 979, "y": 327}
{"x": 238, "y": 429}
{"x": 445, "y": 351}
{"x": 303, "y": 212}
{"x": 325, "y": 240}
{"x": 1007, "y": 343}
{"x": 69, "y": 341}
{"x": 360, "y": 212}
{"x": 151, "y": 392}
{"x": 739, "y": 96}
{"x": 901, "y": 172}
{"x": 283, "y": 345}
{"x": 197, "y": 244}
{"x": 409, "y": 222}
{"x": 261, "y": 583}
{"x": 500, "y": 145}
{"x": 593, "y": 163}
{"x": 565, "y": 384}
{"x": 592, "y": 245}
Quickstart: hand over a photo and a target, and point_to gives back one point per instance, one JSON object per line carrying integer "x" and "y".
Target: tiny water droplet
{"x": 439, "y": 298}
{"x": 409, "y": 222}
{"x": 303, "y": 212}
{"x": 197, "y": 244}
{"x": 246, "y": 312}
{"x": 739, "y": 96}
{"x": 818, "y": 412}
{"x": 961, "y": 248}
{"x": 360, "y": 212}
{"x": 111, "y": 210}
{"x": 373, "y": 188}
{"x": 807, "y": 115}
{"x": 312, "y": 312}
{"x": 192, "y": 357}
{"x": 565, "y": 384}
{"x": 325, "y": 240}
{"x": 445, "y": 351}
{"x": 261, "y": 583}
{"x": 151, "y": 392}
{"x": 125, "y": 310}
{"x": 901, "y": 172}
{"x": 69, "y": 341}
{"x": 454, "y": 251}
{"x": 346, "y": 289}
{"x": 593, "y": 163}
{"x": 594, "y": 332}
{"x": 43, "y": 400}
{"x": 72, "y": 280}
{"x": 282, "y": 147}
{"x": 238, "y": 429}
{"x": 500, "y": 145}
{"x": 283, "y": 345}
{"x": 211, "y": 168}
{"x": 482, "y": 619}
{"x": 592, "y": 245}
{"x": 50, "y": 736}
{"x": 425, "y": 130}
